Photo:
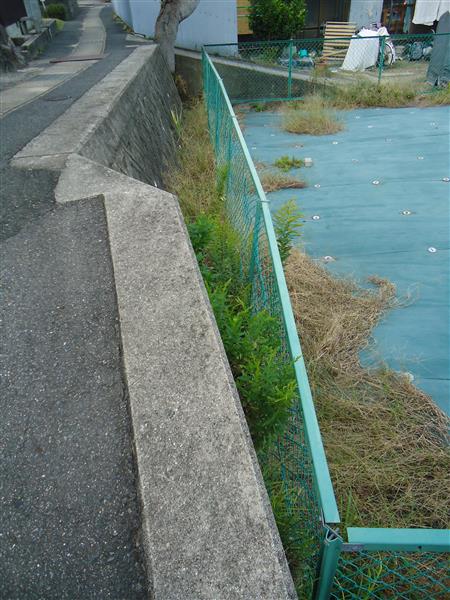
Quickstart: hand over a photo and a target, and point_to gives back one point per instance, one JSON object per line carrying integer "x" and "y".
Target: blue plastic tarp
{"x": 380, "y": 190}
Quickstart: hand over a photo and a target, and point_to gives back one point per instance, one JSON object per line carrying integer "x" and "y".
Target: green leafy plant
{"x": 277, "y": 19}
{"x": 177, "y": 118}
{"x": 287, "y": 224}
{"x": 222, "y": 177}
{"x": 298, "y": 542}
{"x": 286, "y": 163}
{"x": 265, "y": 380}
{"x": 56, "y": 11}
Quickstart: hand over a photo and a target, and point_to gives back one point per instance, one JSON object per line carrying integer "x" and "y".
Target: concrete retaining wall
{"x": 242, "y": 80}
{"x": 208, "y": 530}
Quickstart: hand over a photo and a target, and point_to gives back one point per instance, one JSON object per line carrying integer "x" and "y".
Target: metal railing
{"x": 373, "y": 563}
{"x": 287, "y": 69}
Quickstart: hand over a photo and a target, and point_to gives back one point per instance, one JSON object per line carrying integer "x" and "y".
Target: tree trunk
{"x": 10, "y": 57}
{"x": 170, "y": 16}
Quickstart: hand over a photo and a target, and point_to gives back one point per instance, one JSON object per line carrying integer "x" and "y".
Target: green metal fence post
{"x": 331, "y": 550}
{"x": 229, "y": 155}
{"x": 255, "y": 245}
{"x": 290, "y": 69}
{"x": 216, "y": 119}
{"x": 381, "y": 58}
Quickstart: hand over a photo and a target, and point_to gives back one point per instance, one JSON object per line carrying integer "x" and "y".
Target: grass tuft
{"x": 310, "y": 116}
{"x": 436, "y": 98}
{"x": 366, "y": 94}
{"x": 273, "y": 181}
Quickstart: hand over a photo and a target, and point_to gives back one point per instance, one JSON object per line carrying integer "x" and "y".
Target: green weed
{"x": 260, "y": 106}
{"x": 264, "y": 379}
{"x": 177, "y": 121}
{"x": 287, "y": 224}
{"x": 286, "y": 163}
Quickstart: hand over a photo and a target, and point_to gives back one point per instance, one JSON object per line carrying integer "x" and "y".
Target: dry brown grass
{"x": 273, "y": 181}
{"x": 310, "y": 116}
{"x": 436, "y": 97}
{"x": 194, "y": 181}
{"x": 385, "y": 440}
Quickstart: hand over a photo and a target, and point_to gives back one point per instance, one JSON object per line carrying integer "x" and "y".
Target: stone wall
{"x": 137, "y": 138}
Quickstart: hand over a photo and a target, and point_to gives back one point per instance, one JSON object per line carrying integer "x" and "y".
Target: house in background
{"x": 227, "y": 21}
{"x": 20, "y": 16}
{"x": 212, "y": 22}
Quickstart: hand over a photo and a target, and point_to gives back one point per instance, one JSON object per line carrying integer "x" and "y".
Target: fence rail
{"x": 286, "y": 69}
{"x": 373, "y": 563}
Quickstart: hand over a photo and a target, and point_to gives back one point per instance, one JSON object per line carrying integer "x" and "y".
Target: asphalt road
{"x": 69, "y": 514}
{"x": 24, "y": 199}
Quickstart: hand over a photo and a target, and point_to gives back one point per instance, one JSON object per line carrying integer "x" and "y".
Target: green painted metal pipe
{"x": 291, "y": 46}
{"x": 405, "y": 540}
{"x": 381, "y": 58}
{"x": 331, "y": 550}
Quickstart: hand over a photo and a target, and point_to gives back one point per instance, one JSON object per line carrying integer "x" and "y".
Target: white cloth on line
{"x": 429, "y": 11}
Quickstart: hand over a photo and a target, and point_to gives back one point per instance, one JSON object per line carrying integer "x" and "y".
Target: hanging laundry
{"x": 429, "y": 11}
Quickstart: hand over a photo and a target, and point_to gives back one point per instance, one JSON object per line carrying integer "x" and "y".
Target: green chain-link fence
{"x": 281, "y": 70}
{"x": 373, "y": 563}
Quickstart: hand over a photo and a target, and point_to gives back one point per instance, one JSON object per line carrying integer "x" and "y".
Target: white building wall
{"x": 122, "y": 8}
{"x": 365, "y": 12}
{"x": 212, "y": 22}
{"x": 34, "y": 11}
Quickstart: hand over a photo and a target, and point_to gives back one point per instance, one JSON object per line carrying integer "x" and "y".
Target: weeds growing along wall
{"x": 372, "y": 563}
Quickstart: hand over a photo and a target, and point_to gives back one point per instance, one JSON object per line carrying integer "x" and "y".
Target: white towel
{"x": 429, "y": 11}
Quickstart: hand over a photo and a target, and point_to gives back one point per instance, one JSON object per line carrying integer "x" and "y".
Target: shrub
{"x": 287, "y": 224}
{"x": 277, "y": 19}
{"x": 56, "y": 11}
{"x": 286, "y": 163}
{"x": 264, "y": 379}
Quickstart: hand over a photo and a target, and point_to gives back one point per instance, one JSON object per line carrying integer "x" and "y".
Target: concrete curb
{"x": 209, "y": 532}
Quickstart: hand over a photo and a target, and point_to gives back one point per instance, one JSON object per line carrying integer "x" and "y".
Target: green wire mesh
{"x": 284, "y": 70}
{"x": 401, "y": 575}
{"x": 360, "y": 573}
{"x": 290, "y": 455}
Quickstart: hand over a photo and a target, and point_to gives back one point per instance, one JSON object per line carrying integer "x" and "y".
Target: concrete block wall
{"x": 137, "y": 139}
